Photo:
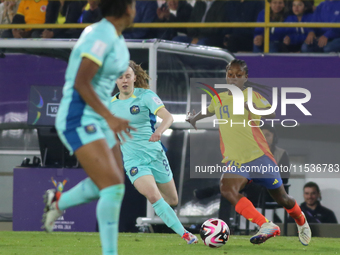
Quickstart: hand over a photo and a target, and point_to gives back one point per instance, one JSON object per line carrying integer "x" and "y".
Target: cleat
{"x": 305, "y": 234}
{"x": 51, "y": 212}
{"x": 190, "y": 238}
{"x": 267, "y": 230}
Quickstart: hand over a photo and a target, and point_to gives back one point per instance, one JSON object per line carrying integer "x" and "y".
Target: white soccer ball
{"x": 214, "y": 233}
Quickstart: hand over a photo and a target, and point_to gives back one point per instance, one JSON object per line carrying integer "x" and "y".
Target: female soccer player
{"x": 86, "y": 126}
{"x": 245, "y": 146}
{"x": 145, "y": 161}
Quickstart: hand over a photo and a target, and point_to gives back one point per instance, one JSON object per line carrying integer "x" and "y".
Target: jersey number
{"x": 225, "y": 110}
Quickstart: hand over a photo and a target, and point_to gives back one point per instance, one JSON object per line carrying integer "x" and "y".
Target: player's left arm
{"x": 167, "y": 120}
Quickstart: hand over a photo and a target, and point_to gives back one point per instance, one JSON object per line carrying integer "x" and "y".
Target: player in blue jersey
{"x": 86, "y": 126}
{"x": 144, "y": 157}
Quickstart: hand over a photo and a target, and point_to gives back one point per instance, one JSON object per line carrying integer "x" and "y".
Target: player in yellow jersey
{"x": 244, "y": 147}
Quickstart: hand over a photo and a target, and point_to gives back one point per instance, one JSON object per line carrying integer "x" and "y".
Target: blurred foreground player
{"x": 86, "y": 126}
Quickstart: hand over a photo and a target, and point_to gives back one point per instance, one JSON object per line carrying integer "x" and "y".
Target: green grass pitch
{"x": 39, "y": 243}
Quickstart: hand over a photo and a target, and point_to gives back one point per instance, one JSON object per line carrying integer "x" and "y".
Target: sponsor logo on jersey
{"x": 98, "y": 48}
{"x": 134, "y": 109}
{"x": 133, "y": 171}
{"x": 90, "y": 129}
{"x": 157, "y": 100}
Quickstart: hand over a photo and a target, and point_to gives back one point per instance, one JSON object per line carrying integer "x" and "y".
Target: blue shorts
{"x": 73, "y": 139}
{"x": 262, "y": 170}
{"x": 160, "y": 169}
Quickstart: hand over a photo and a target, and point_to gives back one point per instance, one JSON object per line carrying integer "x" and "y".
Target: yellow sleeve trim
{"x": 155, "y": 112}
{"x": 89, "y": 56}
{"x": 113, "y": 99}
{"x": 133, "y": 96}
{"x": 20, "y": 14}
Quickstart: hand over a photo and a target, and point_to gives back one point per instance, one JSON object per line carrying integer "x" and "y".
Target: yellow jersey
{"x": 241, "y": 140}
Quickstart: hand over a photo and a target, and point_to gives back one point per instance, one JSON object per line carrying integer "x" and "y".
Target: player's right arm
{"x": 86, "y": 72}
{"x": 192, "y": 118}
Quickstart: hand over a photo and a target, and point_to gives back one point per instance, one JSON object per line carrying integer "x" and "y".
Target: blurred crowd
{"x": 233, "y": 39}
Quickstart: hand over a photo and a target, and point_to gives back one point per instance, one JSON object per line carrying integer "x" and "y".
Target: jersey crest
{"x": 134, "y": 109}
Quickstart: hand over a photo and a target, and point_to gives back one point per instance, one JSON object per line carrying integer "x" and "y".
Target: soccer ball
{"x": 214, "y": 233}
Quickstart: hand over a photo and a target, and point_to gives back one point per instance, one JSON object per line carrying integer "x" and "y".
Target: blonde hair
{"x": 141, "y": 76}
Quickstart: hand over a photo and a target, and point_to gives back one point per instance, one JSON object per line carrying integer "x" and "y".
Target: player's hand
{"x": 190, "y": 118}
{"x": 310, "y": 38}
{"x": 120, "y": 126}
{"x": 322, "y": 41}
{"x": 258, "y": 40}
{"x": 286, "y": 40}
{"x": 155, "y": 137}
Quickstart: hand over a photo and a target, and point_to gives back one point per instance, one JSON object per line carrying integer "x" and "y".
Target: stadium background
{"x": 316, "y": 142}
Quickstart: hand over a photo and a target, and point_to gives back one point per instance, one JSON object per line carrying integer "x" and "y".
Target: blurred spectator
{"x": 92, "y": 14}
{"x": 302, "y": 12}
{"x": 205, "y": 11}
{"x": 146, "y": 12}
{"x": 324, "y": 39}
{"x": 173, "y": 11}
{"x": 313, "y": 210}
{"x": 280, "y": 155}
{"x": 7, "y": 11}
{"x": 241, "y": 39}
{"x": 72, "y": 11}
{"x": 316, "y": 4}
{"x": 277, "y": 14}
{"x": 29, "y": 12}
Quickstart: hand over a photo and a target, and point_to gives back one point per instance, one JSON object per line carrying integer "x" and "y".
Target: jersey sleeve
{"x": 21, "y": 8}
{"x": 211, "y": 107}
{"x": 260, "y": 101}
{"x": 152, "y": 101}
{"x": 96, "y": 45}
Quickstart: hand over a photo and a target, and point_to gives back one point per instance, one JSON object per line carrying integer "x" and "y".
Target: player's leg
{"x": 282, "y": 198}
{"x": 169, "y": 192}
{"x": 101, "y": 166}
{"x": 230, "y": 186}
{"x": 146, "y": 185}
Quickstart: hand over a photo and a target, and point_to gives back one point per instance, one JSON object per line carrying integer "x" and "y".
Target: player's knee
{"x": 153, "y": 198}
{"x": 228, "y": 194}
{"x": 173, "y": 201}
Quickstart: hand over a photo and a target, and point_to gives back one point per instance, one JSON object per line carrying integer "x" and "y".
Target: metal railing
{"x": 266, "y": 25}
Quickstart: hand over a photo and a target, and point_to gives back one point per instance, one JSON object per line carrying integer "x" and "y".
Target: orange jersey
{"x": 33, "y": 11}
{"x": 239, "y": 142}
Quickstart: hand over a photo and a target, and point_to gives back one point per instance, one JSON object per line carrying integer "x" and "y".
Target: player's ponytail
{"x": 141, "y": 76}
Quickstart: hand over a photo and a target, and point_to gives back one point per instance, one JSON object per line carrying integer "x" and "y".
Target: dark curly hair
{"x": 115, "y": 8}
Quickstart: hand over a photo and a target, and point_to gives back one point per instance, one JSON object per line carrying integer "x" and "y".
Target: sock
{"x": 167, "y": 214}
{"x": 84, "y": 192}
{"x": 248, "y": 211}
{"x": 108, "y": 210}
{"x": 296, "y": 214}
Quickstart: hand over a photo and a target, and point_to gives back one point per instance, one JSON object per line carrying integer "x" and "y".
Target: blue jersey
{"x": 101, "y": 44}
{"x": 140, "y": 109}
